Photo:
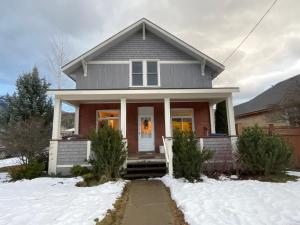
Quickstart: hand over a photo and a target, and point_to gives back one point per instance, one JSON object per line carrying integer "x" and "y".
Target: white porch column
{"x": 167, "y": 117}
{"x": 123, "y": 117}
{"x": 212, "y": 118}
{"x": 76, "y": 121}
{"x": 230, "y": 116}
{"x": 56, "y": 119}
{"x": 168, "y": 140}
{"x": 55, "y": 135}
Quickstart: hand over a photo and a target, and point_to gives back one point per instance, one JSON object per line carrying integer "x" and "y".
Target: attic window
{"x": 144, "y": 73}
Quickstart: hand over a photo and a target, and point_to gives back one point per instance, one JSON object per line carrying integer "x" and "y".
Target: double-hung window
{"x": 137, "y": 73}
{"x": 144, "y": 73}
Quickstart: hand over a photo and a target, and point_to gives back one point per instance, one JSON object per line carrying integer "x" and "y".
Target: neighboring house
{"x": 278, "y": 105}
{"x": 144, "y": 82}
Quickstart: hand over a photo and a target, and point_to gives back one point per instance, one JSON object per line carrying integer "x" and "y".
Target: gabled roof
{"x": 122, "y": 35}
{"x": 276, "y": 96}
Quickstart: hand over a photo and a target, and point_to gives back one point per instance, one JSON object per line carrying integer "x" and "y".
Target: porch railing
{"x": 168, "y": 142}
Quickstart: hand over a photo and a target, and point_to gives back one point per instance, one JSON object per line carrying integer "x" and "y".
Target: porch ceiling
{"x": 76, "y": 97}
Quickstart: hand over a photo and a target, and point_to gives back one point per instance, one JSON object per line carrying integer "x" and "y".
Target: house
{"x": 144, "y": 82}
{"x": 279, "y": 105}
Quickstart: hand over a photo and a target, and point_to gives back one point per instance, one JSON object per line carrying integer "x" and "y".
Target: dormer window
{"x": 144, "y": 73}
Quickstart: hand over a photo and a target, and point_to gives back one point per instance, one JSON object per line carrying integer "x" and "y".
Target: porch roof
{"x": 78, "y": 96}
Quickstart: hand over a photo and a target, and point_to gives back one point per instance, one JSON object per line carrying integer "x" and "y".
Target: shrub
{"x": 78, "y": 170}
{"x": 188, "y": 159}
{"x": 29, "y": 171}
{"x": 108, "y": 153}
{"x": 262, "y": 154}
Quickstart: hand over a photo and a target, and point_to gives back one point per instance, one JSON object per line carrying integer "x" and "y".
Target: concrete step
{"x": 143, "y": 175}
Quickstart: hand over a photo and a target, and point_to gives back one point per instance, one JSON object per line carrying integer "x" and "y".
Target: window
{"x": 144, "y": 73}
{"x": 152, "y": 76}
{"x": 108, "y": 116}
{"x": 137, "y": 73}
{"x": 182, "y": 119}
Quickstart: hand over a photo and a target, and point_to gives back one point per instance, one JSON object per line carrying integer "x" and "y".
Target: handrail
{"x": 166, "y": 150}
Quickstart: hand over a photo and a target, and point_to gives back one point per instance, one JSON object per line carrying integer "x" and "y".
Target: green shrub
{"x": 108, "y": 153}
{"x": 78, "y": 170}
{"x": 188, "y": 159}
{"x": 32, "y": 170}
{"x": 262, "y": 154}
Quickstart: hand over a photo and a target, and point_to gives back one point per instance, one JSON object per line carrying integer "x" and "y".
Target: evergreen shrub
{"x": 263, "y": 154}
{"x": 188, "y": 159}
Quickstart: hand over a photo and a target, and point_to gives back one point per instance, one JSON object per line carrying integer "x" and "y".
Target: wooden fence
{"x": 290, "y": 134}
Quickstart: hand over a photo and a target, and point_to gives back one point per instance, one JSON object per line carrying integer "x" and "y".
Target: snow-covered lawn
{"x": 214, "y": 202}
{"x": 10, "y": 162}
{"x": 55, "y": 201}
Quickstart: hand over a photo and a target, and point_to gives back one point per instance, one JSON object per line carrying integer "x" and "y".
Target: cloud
{"x": 215, "y": 27}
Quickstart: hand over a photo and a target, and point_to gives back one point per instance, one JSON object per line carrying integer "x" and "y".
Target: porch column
{"x": 56, "y": 119}
{"x": 167, "y": 117}
{"x": 212, "y": 118}
{"x": 168, "y": 139}
{"x": 123, "y": 117}
{"x": 55, "y": 135}
{"x": 230, "y": 116}
{"x": 76, "y": 121}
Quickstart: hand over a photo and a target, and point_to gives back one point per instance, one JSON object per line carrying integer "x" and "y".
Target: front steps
{"x": 145, "y": 169}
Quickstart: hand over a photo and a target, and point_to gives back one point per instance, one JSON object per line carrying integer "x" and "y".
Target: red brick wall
{"x": 87, "y": 119}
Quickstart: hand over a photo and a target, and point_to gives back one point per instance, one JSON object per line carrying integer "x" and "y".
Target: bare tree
{"x": 57, "y": 58}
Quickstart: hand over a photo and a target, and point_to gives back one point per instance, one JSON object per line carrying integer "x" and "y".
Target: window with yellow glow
{"x": 111, "y": 117}
{"x": 182, "y": 119}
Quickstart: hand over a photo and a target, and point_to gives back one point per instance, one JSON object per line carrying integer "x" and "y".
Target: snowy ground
{"x": 243, "y": 202}
{"x": 46, "y": 201}
{"x": 10, "y": 162}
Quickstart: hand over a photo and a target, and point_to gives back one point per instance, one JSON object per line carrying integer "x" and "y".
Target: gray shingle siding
{"x": 71, "y": 152}
{"x": 221, "y": 146}
{"x": 116, "y": 76}
{"x": 152, "y": 47}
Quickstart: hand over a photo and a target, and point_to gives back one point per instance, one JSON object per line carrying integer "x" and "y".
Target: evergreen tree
{"x": 221, "y": 118}
{"x": 28, "y": 107}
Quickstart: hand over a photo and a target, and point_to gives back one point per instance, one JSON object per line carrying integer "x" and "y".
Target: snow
{"x": 4, "y": 177}
{"x": 58, "y": 201}
{"x": 10, "y": 162}
{"x": 237, "y": 202}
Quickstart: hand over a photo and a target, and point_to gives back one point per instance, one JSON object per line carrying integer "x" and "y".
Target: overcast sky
{"x": 214, "y": 27}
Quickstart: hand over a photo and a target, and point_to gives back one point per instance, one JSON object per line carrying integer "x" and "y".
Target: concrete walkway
{"x": 148, "y": 204}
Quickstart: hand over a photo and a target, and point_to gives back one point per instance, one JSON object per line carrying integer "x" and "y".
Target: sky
{"x": 270, "y": 55}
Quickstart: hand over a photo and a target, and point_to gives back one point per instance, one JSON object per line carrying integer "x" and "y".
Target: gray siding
{"x": 183, "y": 76}
{"x": 71, "y": 152}
{"x": 100, "y": 76}
{"x": 221, "y": 146}
{"x": 116, "y": 76}
{"x": 135, "y": 47}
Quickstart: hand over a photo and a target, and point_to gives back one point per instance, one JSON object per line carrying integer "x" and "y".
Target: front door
{"x": 146, "y": 129}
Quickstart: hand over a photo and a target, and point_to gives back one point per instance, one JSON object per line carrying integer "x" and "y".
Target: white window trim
{"x": 144, "y": 62}
{"x": 177, "y": 109}
{"x": 107, "y": 118}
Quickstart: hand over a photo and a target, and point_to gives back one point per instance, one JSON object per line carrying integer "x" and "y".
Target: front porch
{"x": 144, "y": 118}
